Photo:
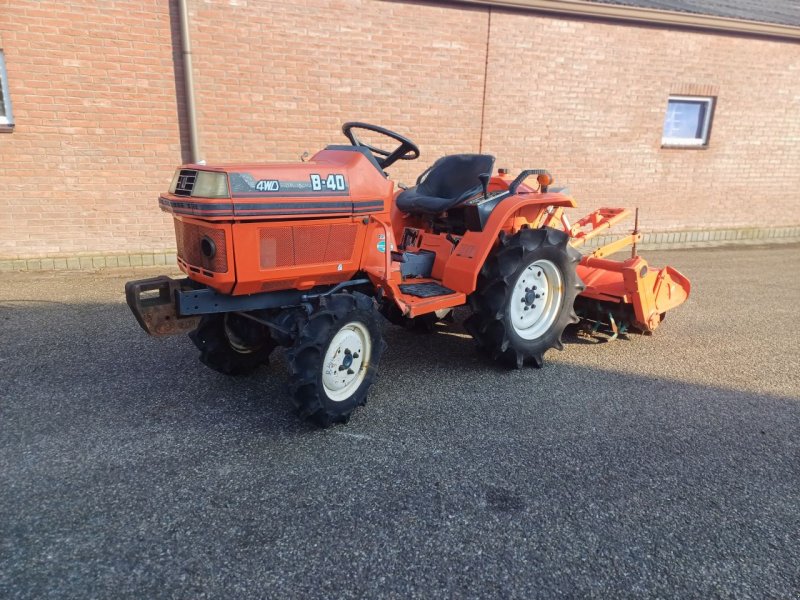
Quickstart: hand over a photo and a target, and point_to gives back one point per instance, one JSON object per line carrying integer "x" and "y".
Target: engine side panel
{"x": 298, "y": 254}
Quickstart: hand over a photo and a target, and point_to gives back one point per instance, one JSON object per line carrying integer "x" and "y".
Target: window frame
{"x": 6, "y": 120}
{"x": 703, "y": 140}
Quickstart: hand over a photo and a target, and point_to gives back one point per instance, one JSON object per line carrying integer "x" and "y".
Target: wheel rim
{"x": 536, "y": 299}
{"x": 346, "y": 361}
{"x": 235, "y": 341}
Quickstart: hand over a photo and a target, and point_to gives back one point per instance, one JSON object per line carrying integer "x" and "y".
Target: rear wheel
{"x": 525, "y": 296}
{"x": 335, "y": 357}
{"x": 232, "y": 344}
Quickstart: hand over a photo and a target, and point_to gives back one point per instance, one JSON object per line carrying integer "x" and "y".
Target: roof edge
{"x": 637, "y": 14}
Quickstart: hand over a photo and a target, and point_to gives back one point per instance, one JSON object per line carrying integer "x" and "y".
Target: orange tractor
{"x": 306, "y": 255}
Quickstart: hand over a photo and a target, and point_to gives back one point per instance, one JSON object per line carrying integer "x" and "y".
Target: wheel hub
{"x": 536, "y": 299}
{"x": 346, "y": 361}
{"x": 530, "y": 296}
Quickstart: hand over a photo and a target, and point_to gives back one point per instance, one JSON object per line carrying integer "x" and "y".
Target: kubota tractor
{"x": 306, "y": 255}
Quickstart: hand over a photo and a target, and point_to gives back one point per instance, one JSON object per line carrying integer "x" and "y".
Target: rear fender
{"x": 509, "y": 216}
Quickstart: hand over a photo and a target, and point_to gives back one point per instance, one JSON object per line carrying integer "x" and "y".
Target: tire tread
{"x": 489, "y": 303}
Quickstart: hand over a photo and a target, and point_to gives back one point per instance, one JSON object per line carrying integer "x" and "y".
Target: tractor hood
{"x": 337, "y": 181}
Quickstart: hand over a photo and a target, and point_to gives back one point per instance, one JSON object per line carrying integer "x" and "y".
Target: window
{"x": 6, "y": 118}
{"x": 688, "y": 121}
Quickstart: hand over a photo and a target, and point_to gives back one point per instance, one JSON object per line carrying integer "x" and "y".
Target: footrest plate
{"x": 429, "y": 289}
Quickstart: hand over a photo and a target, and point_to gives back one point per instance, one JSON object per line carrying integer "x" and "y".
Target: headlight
{"x": 174, "y": 183}
{"x": 210, "y": 185}
{"x": 199, "y": 184}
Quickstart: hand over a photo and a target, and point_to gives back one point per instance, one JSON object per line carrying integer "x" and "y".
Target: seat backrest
{"x": 455, "y": 176}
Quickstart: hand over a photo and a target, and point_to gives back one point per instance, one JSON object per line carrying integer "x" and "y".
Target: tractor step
{"x": 426, "y": 296}
{"x": 429, "y": 289}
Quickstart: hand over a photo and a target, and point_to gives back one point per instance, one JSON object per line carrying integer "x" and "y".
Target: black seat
{"x": 449, "y": 181}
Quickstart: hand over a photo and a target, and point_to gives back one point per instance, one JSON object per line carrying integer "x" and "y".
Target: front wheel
{"x": 335, "y": 357}
{"x": 525, "y": 296}
{"x": 232, "y": 344}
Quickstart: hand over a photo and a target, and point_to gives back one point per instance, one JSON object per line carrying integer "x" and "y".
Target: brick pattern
{"x": 89, "y": 262}
{"x": 693, "y": 89}
{"x": 97, "y": 96}
{"x": 97, "y": 132}
{"x": 590, "y": 104}
{"x": 276, "y": 79}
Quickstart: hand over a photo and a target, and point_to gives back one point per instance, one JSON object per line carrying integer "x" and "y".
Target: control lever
{"x": 485, "y": 177}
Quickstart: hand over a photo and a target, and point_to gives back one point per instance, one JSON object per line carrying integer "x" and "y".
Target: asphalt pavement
{"x": 664, "y": 466}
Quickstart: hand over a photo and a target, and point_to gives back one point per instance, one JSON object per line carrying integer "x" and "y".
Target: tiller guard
{"x": 627, "y": 293}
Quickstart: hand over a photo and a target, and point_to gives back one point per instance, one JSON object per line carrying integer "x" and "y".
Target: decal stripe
{"x": 304, "y": 205}
{"x": 268, "y": 209}
{"x": 282, "y": 193}
{"x": 290, "y": 205}
{"x": 201, "y": 206}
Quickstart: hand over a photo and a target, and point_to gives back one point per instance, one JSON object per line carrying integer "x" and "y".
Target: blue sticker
{"x": 382, "y": 246}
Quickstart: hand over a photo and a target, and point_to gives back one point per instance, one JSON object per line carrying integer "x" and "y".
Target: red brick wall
{"x": 587, "y": 100}
{"x": 276, "y": 81}
{"x": 96, "y": 93}
{"x": 97, "y": 133}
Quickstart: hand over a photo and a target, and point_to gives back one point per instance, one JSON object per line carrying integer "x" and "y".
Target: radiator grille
{"x": 188, "y": 237}
{"x": 307, "y": 244}
{"x": 185, "y": 183}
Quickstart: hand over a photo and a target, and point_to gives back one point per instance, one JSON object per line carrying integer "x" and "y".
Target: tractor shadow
{"x": 97, "y": 361}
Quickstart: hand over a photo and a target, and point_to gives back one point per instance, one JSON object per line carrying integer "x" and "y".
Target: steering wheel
{"x": 407, "y": 150}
